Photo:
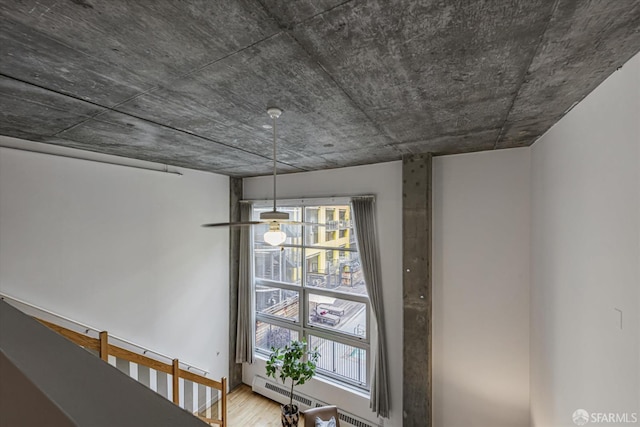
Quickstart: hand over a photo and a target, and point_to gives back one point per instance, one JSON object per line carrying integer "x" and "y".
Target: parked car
{"x": 323, "y": 316}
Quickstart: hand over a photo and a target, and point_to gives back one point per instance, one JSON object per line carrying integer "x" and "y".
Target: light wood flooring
{"x": 248, "y": 409}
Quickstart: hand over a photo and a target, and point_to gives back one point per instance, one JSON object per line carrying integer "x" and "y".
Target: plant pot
{"x": 290, "y": 415}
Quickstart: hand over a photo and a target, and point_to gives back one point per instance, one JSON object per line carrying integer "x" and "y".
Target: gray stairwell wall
{"x": 88, "y": 391}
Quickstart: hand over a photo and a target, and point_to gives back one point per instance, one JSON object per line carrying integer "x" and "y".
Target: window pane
{"x": 268, "y": 335}
{"x": 277, "y": 302}
{"x": 337, "y": 314}
{"x": 312, "y": 214}
{"x": 337, "y": 230}
{"x": 337, "y": 270}
{"x": 277, "y": 263}
{"x": 341, "y": 360}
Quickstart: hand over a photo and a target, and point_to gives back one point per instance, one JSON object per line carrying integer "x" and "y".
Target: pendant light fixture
{"x": 274, "y": 236}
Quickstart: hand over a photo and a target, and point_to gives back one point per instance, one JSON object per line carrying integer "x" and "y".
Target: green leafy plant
{"x": 293, "y": 361}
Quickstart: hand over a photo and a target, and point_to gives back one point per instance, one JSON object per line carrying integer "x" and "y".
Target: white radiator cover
{"x": 281, "y": 394}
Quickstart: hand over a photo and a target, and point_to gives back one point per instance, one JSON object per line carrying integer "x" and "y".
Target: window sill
{"x": 328, "y": 381}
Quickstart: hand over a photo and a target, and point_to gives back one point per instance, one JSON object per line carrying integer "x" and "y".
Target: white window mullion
{"x": 304, "y": 316}
{"x": 326, "y": 248}
{"x": 342, "y": 339}
{"x": 278, "y": 321}
{"x": 340, "y": 295}
{"x": 276, "y": 284}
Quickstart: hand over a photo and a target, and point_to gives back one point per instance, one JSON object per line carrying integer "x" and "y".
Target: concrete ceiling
{"x": 187, "y": 83}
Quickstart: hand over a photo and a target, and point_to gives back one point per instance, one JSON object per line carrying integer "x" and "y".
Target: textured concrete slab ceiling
{"x": 187, "y": 83}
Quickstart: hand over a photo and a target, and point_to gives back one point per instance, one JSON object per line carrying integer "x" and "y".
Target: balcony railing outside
{"x": 341, "y": 360}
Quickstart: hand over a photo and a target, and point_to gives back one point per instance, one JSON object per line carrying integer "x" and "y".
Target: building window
{"x": 312, "y": 287}
{"x": 312, "y": 216}
{"x": 329, "y": 236}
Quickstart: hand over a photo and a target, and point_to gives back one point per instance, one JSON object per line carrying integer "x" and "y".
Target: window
{"x": 329, "y": 236}
{"x": 312, "y": 216}
{"x": 312, "y": 287}
{"x": 330, "y": 213}
{"x": 344, "y": 224}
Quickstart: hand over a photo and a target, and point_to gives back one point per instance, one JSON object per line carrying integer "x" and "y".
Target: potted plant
{"x": 294, "y": 362}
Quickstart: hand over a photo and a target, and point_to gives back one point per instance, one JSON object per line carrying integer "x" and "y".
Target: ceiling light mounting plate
{"x": 274, "y": 112}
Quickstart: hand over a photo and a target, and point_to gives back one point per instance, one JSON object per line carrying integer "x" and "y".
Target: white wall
{"x": 481, "y": 289}
{"x": 585, "y": 256}
{"x": 385, "y": 182}
{"x": 120, "y": 249}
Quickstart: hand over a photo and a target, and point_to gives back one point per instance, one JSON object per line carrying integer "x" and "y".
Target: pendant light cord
{"x": 274, "y": 163}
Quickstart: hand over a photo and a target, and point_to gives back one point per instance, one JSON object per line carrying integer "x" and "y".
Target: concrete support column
{"x": 235, "y": 195}
{"x": 416, "y": 289}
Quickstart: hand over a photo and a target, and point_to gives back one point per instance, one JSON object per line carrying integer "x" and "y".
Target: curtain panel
{"x": 364, "y": 218}
{"x": 244, "y": 337}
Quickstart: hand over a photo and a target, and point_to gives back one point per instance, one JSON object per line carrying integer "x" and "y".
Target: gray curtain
{"x": 244, "y": 337}
{"x": 364, "y": 216}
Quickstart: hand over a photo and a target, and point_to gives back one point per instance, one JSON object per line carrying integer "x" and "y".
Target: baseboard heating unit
{"x": 281, "y": 394}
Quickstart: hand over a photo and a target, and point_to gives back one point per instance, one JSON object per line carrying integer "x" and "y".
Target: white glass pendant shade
{"x": 274, "y": 236}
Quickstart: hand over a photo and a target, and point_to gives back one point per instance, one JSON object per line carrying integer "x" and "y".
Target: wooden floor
{"x": 248, "y": 409}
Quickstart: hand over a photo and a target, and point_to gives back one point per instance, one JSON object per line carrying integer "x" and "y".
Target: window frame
{"x": 302, "y": 325}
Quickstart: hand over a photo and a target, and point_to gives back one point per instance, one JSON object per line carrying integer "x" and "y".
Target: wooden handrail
{"x": 102, "y": 346}
{"x": 200, "y": 379}
{"x": 139, "y": 359}
{"x": 80, "y": 339}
